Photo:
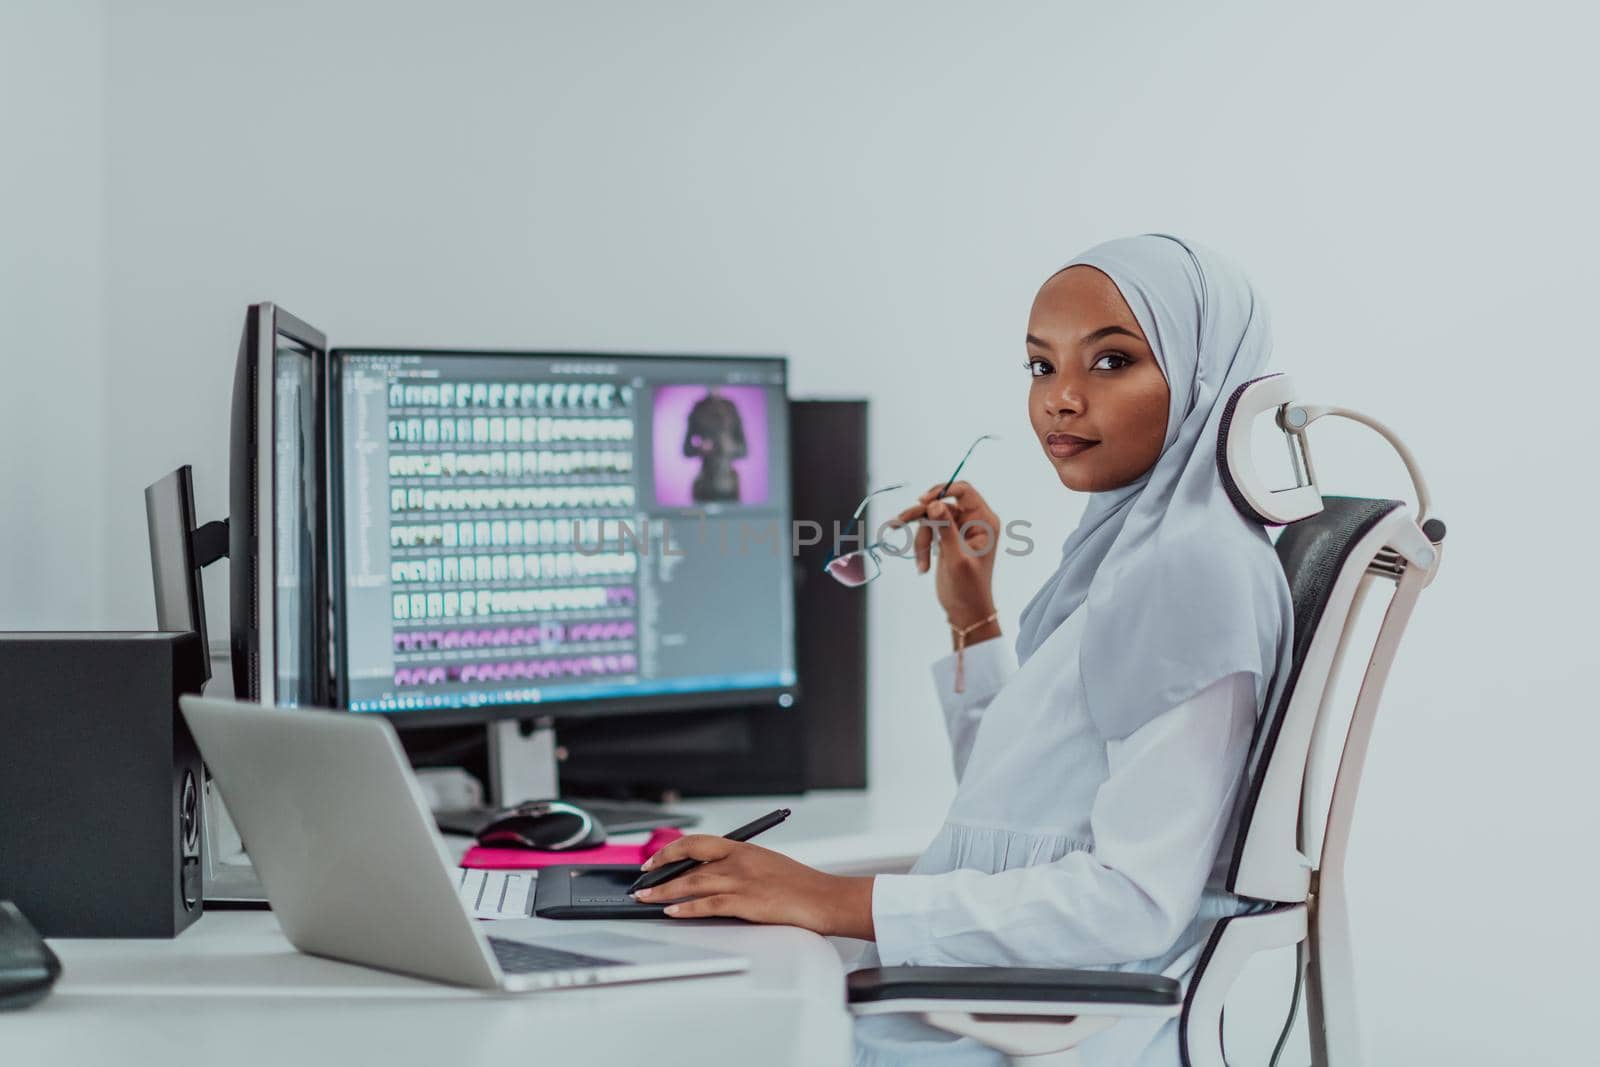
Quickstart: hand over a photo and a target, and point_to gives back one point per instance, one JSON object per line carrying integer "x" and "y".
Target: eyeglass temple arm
{"x": 856, "y": 514}
{"x": 963, "y": 463}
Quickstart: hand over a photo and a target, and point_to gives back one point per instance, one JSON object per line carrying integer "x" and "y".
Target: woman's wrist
{"x": 985, "y": 632}
{"x": 967, "y": 628}
{"x": 851, "y": 911}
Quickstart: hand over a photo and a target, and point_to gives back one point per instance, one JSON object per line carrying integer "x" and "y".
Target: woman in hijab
{"x": 1098, "y": 766}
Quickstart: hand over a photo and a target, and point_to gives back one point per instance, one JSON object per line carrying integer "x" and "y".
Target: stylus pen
{"x": 650, "y": 879}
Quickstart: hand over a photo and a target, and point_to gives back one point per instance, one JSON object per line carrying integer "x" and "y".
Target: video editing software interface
{"x": 521, "y": 528}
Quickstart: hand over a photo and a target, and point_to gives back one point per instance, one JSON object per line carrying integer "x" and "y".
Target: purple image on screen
{"x": 723, "y": 428}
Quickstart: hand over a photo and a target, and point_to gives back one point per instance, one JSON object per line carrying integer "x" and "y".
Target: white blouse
{"x": 1063, "y": 848}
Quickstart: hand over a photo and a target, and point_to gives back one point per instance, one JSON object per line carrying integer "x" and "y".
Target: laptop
{"x": 347, "y": 852}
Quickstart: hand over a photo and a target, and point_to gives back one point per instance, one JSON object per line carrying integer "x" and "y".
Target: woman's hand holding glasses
{"x": 968, "y": 534}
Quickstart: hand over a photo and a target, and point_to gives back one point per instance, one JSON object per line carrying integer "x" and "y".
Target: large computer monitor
{"x": 531, "y": 535}
{"x": 277, "y": 524}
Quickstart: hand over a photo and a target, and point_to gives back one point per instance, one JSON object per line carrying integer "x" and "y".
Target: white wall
{"x": 877, "y": 191}
{"x": 52, "y": 263}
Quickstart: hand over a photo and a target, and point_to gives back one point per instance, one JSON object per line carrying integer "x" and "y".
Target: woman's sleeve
{"x": 1158, "y": 821}
{"x": 988, "y": 665}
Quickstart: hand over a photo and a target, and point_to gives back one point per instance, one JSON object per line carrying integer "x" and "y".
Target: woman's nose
{"x": 1065, "y": 398}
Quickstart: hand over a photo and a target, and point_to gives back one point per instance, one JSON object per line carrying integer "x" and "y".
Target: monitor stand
{"x": 524, "y": 765}
{"x": 229, "y": 878}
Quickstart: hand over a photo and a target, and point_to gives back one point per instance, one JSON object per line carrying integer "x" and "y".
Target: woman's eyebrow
{"x": 1109, "y": 331}
{"x": 1102, "y": 332}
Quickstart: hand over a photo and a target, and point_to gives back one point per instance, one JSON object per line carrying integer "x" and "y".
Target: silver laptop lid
{"x": 342, "y": 838}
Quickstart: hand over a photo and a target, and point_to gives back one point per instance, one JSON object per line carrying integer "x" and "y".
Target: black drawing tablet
{"x": 594, "y": 891}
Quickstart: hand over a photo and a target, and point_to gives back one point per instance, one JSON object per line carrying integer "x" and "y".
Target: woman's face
{"x": 1098, "y": 399}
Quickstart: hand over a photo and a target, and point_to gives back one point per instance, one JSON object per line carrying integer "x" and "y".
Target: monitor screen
{"x": 589, "y": 532}
{"x": 296, "y": 513}
{"x": 277, "y": 527}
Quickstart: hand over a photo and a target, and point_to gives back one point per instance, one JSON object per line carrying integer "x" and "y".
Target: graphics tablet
{"x": 593, "y": 891}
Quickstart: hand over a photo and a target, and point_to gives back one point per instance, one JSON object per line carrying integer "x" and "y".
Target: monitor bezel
{"x": 571, "y": 708}
{"x": 257, "y": 668}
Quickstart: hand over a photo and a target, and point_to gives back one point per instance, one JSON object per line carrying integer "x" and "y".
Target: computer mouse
{"x": 548, "y": 825}
{"x": 27, "y": 966}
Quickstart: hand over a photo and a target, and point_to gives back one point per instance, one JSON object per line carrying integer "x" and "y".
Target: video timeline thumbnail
{"x": 555, "y": 396}
{"x": 544, "y": 463}
{"x": 485, "y": 430}
{"x": 510, "y": 498}
{"x": 544, "y": 634}
{"x": 589, "y": 530}
{"x": 513, "y": 567}
{"x": 471, "y": 602}
{"x": 541, "y": 669}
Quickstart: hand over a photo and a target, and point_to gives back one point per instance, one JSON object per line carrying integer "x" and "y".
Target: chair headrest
{"x": 1279, "y": 507}
{"x": 1236, "y": 458}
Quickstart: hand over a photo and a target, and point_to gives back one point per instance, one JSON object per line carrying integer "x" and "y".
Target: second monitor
{"x": 530, "y": 535}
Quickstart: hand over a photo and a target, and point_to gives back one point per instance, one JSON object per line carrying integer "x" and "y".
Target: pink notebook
{"x": 505, "y": 859}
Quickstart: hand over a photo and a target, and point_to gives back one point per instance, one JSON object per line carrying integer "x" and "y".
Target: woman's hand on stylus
{"x": 741, "y": 880}
{"x": 967, "y": 532}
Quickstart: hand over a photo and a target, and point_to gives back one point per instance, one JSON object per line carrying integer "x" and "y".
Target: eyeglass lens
{"x": 854, "y": 568}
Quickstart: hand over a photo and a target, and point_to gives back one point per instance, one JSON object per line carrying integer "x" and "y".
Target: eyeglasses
{"x": 864, "y": 564}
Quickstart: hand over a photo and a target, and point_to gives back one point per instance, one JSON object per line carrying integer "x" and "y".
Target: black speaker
{"x": 100, "y": 812}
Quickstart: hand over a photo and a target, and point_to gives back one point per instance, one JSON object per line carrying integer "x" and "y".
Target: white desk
{"x": 231, "y": 990}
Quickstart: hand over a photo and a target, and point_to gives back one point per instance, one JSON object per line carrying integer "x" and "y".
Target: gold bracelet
{"x": 961, "y": 633}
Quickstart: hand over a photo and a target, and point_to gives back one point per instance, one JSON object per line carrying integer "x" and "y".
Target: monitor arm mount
{"x": 209, "y": 543}
{"x": 523, "y": 761}
{"x": 179, "y": 550}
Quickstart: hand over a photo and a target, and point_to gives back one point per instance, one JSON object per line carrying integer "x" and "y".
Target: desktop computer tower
{"x": 829, "y": 478}
{"x": 100, "y": 782}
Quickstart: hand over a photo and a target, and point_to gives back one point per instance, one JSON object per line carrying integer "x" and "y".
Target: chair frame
{"x": 1292, "y": 849}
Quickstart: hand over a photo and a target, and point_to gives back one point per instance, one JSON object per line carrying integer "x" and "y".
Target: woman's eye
{"x": 1119, "y": 359}
{"x": 1037, "y": 368}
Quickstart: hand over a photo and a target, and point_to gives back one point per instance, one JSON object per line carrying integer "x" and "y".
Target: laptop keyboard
{"x": 497, "y": 894}
{"x": 516, "y": 957}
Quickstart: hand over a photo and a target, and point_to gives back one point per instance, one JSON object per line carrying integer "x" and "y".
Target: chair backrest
{"x": 1292, "y": 830}
{"x": 1326, "y": 560}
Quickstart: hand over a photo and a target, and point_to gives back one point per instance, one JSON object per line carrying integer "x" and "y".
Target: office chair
{"x": 1294, "y": 816}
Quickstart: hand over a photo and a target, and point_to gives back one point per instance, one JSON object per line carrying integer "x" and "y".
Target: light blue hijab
{"x": 1179, "y": 588}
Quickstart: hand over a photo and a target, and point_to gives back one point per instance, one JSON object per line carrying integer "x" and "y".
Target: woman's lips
{"x": 1066, "y": 445}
